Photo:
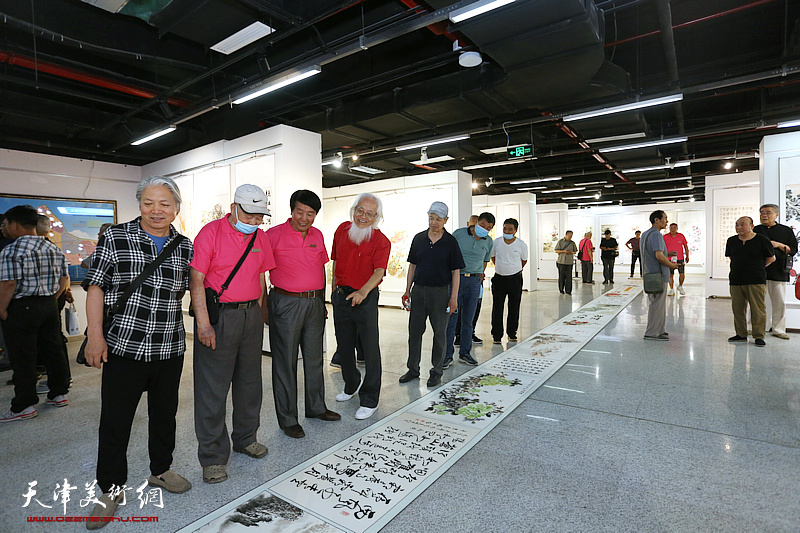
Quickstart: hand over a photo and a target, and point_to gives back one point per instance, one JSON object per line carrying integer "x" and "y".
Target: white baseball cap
{"x": 438, "y": 208}
{"x": 252, "y": 199}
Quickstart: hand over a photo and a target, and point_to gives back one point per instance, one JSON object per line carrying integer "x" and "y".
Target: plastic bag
{"x": 71, "y": 320}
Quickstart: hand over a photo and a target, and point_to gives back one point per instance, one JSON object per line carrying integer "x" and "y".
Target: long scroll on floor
{"x": 360, "y": 484}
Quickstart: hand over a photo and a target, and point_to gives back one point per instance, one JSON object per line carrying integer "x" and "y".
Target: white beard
{"x": 359, "y": 235}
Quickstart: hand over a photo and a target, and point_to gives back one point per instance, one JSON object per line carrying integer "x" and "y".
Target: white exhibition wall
{"x": 780, "y": 185}
{"x": 405, "y": 211}
{"x": 623, "y": 221}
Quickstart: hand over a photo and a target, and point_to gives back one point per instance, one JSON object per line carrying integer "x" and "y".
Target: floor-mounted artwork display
{"x": 360, "y": 484}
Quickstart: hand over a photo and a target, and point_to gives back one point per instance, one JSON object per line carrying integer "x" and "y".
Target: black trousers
{"x": 32, "y": 331}
{"x": 124, "y": 381}
{"x": 358, "y": 324}
{"x": 474, "y": 320}
{"x": 587, "y": 269}
{"x": 564, "y": 278}
{"x": 502, "y": 287}
{"x": 608, "y": 268}
{"x": 634, "y": 256}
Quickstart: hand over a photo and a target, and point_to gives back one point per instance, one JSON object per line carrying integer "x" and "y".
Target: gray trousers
{"x": 235, "y": 364}
{"x": 296, "y": 322}
{"x": 428, "y": 303}
{"x": 656, "y": 313}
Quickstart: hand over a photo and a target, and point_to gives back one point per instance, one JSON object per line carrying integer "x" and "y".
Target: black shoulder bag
{"x": 109, "y": 312}
{"x": 653, "y": 281}
{"x": 212, "y": 296}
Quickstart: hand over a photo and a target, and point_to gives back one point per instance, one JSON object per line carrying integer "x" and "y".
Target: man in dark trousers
{"x": 784, "y": 242}
{"x": 750, "y": 255}
{"x": 33, "y": 273}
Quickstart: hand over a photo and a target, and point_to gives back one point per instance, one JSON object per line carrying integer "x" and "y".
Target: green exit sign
{"x": 517, "y": 152}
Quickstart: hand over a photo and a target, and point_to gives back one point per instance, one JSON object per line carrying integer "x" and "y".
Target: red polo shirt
{"x": 217, "y": 249}
{"x": 356, "y": 263}
{"x": 300, "y": 263}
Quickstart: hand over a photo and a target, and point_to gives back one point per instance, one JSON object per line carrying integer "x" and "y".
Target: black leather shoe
{"x": 328, "y": 415}
{"x": 408, "y": 376}
{"x": 295, "y": 431}
{"x": 434, "y": 381}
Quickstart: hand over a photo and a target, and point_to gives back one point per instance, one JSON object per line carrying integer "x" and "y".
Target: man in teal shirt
{"x": 476, "y": 248}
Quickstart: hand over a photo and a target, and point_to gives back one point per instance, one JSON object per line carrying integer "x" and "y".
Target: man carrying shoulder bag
{"x": 656, "y": 268}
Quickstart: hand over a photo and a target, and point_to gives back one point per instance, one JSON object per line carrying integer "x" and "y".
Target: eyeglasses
{"x": 364, "y": 213}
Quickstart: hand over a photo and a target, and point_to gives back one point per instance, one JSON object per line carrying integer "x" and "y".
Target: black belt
{"x": 304, "y": 294}
{"x": 237, "y": 305}
{"x": 469, "y": 275}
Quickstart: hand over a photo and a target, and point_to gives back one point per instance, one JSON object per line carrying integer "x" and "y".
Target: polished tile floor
{"x": 693, "y": 434}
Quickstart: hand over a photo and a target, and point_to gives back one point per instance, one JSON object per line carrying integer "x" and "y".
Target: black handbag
{"x": 110, "y": 311}
{"x": 212, "y": 296}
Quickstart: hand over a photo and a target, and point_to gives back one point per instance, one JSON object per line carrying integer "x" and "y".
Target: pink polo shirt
{"x": 675, "y": 244}
{"x": 300, "y": 263}
{"x": 217, "y": 249}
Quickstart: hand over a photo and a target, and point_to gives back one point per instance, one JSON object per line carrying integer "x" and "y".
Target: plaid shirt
{"x": 35, "y": 264}
{"x": 150, "y": 326}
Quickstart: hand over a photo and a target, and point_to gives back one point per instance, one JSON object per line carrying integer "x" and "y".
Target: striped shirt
{"x": 35, "y": 264}
{"x": 150, "y": 326}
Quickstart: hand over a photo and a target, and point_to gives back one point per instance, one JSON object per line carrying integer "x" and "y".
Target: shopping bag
{"x": 71, "y": 320}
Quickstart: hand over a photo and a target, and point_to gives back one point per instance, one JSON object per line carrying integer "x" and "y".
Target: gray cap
{"x": 253, "y": 199}
{"x": 438, "y": 208}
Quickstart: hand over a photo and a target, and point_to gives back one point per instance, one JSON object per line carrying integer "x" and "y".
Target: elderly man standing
{"x": 33, "y": 273}
{"x": 586, "y": 256}
{"x": 431, "y": 291}
{"x": 230, "y": 257}
{"x": 141, "y": 346}
{"x": 654, "y": 259}
{"x": 750, "y": 255}
{"x": 784, "y": 242}
{"x": 566, "y": 250}
{"x": 297, "y": 313}
{"x": 360, "y": 256}
{"x": 509, "y": 256}
{"x": 476, "y": 249}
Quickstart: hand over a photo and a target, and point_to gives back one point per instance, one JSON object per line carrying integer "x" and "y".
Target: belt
{"x": 238, "y": 305}
{"x": 469, "y": 275}
{"x": 304, "y": 294}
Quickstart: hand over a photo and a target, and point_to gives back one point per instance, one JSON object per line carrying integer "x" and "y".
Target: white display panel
{"x": 184, "y": 222}
{"x": 728, "y": 205}
{"x": 549, "y": 233}
{"x": 790, "y": 200}
{"x": 692, "y": 225}
{"x": 212, "y": 196}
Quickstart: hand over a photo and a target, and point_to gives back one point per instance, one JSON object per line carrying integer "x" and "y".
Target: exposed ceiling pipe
{"x": 668, "y": 42}
{"x": 692, "y": 22}
{"x": 63, "y": 72}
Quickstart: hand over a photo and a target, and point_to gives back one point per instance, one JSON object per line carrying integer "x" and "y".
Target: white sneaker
{"x": 365, "y": 412}
{"x": 670, "y": 292}
{"x": 680, "y": 289}
{"x": 343, "y": 397}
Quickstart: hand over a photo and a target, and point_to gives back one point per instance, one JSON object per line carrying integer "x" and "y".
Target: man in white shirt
{"x": 509, "y": 256}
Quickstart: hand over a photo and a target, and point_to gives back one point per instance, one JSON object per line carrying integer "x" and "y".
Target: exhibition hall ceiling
{"x": 87, "y": 78}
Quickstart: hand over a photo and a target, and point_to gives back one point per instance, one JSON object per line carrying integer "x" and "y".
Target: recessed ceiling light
{"x": 368, "y": 170}
{"x": 242, "y": 38}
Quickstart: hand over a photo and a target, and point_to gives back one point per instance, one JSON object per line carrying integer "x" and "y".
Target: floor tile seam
{"x": 659, "y": 422}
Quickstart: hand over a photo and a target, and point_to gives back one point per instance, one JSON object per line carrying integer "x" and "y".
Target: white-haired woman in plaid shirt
{"x": 144, "y": 346}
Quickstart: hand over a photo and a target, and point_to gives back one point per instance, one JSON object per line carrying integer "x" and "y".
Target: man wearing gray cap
{"x": 431, "y": 291}
{"x": 230, "y": 309}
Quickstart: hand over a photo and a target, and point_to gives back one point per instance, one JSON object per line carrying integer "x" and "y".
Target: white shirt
{"x": 508, "y": 258}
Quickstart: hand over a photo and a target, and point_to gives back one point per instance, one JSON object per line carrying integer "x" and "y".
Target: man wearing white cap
{"x": 431, "y": 291}
{"x": 228, "y": 334}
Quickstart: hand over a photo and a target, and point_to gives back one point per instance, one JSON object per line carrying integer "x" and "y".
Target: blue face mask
{"x": 480, "y": 231}
{"x": 247, "y": 229}
{"x": 508, "y": 236}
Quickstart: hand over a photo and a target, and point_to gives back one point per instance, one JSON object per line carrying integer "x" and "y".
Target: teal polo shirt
{"x": 475, "y": 252}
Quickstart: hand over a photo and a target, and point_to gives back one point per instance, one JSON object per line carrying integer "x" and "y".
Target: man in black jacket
{"x": 785, "y": 243}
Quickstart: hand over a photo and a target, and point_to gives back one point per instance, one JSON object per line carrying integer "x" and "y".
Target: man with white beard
{"x": 360, "y": 256}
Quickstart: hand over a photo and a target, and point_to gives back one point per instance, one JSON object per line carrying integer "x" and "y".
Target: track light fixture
{"x": 423, "y": 154}
{"x": 337, "y": 161}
